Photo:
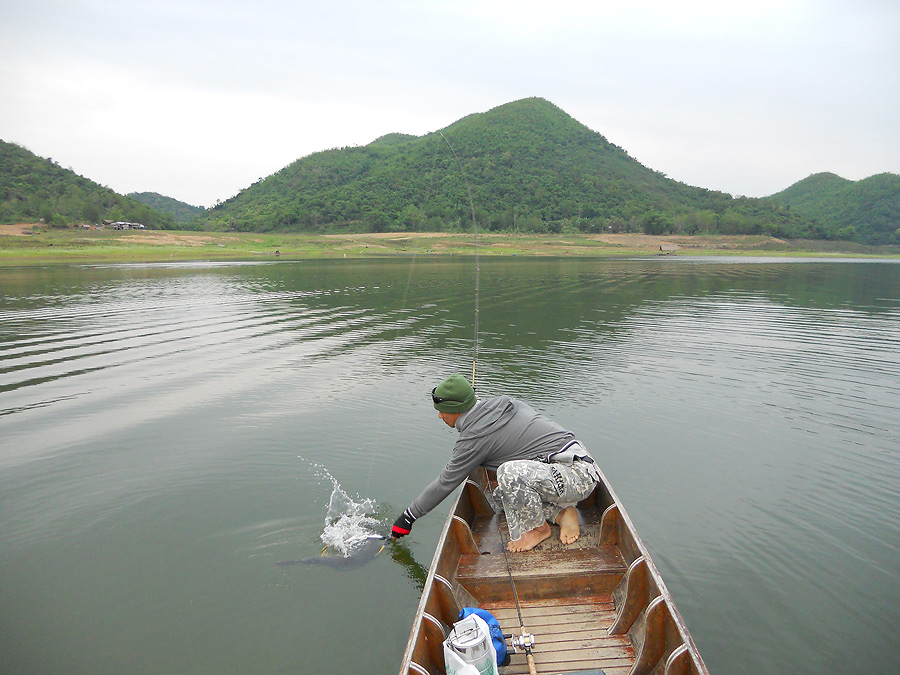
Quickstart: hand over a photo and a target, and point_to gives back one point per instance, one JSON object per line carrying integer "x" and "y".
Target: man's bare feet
{"x": 530, "y": 539}
{"x": 569, "y": 530}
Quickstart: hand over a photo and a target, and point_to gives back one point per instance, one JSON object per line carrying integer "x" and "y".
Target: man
{"x": 542, "y": 471}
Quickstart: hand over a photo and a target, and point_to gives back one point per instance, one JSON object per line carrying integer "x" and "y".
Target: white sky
{"x": 197, "y": 99}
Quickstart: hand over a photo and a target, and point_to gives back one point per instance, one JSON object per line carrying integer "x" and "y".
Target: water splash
{"x": 349, "y": 521}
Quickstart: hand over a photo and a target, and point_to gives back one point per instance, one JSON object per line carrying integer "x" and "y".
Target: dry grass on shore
{"x": 22, "y": 243}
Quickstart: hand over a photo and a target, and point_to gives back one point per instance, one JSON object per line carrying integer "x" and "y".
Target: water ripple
{"x": 747, "y": 412}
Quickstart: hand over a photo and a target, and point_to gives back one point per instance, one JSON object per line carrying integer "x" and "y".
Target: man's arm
{"x": 464, "y": 459}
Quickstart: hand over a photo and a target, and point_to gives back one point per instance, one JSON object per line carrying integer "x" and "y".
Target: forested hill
{"x": 183, "y": 214}
{"x": 531, "y": 167}
{"x": 867, "y": 210}
{"x": 36, "y": 189}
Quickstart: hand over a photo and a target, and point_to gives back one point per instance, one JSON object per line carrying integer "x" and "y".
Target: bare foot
{"x": 569, "y": 530}
{"x": 530, "y": 539}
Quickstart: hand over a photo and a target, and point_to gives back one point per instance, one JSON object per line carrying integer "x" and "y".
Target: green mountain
{"x": 35, "y": 189}
{"x": 530, "y": 167}
{"x": 867, "y": 210}
{"x": 184, "y": 215}
{"x": 527, "y": 165}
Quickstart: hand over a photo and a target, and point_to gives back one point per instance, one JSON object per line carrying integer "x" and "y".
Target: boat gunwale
{"x": 428, "y": 588}
{"x": 625, "y": 524}
{"x": 678, "y": 620}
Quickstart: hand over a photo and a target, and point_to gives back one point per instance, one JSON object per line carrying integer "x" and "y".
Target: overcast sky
{"x": 197, "y": 99}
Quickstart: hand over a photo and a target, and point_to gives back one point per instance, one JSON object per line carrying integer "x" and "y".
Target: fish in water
{"x": 359, "y": 556}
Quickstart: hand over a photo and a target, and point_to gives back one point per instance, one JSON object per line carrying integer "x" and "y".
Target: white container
{"x": 468, "y": 649}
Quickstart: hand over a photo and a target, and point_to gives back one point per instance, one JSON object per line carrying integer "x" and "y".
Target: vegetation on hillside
{"x": 183, "y": 215}
{"x": 34, "y": 189}
{"x": 530, "y": 166}
{"x": 867, "y": 210}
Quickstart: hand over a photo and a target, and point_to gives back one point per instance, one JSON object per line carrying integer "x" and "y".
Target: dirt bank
{"x": 18, "y": 229}
{"x": 441, "y": 241}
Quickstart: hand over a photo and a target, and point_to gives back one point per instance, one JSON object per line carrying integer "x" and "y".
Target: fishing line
{"x": 477, "y": 267}
{"x": 399, "y": 319}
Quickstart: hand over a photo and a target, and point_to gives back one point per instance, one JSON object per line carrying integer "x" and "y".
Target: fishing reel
{"x": 523, "y": 642}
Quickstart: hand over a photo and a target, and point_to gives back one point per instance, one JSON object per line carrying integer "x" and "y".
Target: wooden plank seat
{"x": 551, "y": 569}
{"x": 542, "y": 574}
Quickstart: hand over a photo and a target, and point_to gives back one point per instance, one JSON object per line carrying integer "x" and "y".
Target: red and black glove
{"x": 403, "y": 525}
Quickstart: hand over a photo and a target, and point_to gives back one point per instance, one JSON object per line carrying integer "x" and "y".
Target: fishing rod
{"x": 524, "y": 640}
{"x": 475, "y": 237}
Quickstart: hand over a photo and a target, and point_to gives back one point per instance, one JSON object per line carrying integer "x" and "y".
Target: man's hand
{"x": 403, "y": 525}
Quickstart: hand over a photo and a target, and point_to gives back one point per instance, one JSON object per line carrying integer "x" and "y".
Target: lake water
{"x": 168, "y": 433}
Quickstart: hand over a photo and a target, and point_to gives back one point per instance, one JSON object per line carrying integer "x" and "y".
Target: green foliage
{"x": 529, "y": 165}
{"x": 867, "y": 210}
{"x": 183, "y": 215}
{"x": 656, "y": 223}
{"x": 34, "y": 189}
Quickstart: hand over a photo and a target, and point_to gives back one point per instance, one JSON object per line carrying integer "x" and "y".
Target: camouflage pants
{"x": 534, "y": 492}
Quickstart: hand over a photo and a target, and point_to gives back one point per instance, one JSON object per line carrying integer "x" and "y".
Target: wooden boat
{"x": 598, "y": 603}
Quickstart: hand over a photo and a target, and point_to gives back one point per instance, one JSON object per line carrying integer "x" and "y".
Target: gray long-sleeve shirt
{"x": 495, "y": 431}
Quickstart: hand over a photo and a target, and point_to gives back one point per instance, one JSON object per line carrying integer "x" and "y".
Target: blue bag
{"x": 496, "y": 633}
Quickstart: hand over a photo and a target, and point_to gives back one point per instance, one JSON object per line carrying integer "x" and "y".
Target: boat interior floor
{"x": 565, "y": 593}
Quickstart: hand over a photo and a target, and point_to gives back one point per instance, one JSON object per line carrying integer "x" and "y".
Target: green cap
{"x": 453, "y": 395}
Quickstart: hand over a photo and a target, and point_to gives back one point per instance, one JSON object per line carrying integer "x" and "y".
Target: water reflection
{"x": 746, "y": 412}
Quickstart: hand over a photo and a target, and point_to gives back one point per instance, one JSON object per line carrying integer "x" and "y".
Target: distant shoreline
{"x": 32, "y": 243}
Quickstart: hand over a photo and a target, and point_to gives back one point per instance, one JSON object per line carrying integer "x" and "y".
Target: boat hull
{"x": 598, "y": 603}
